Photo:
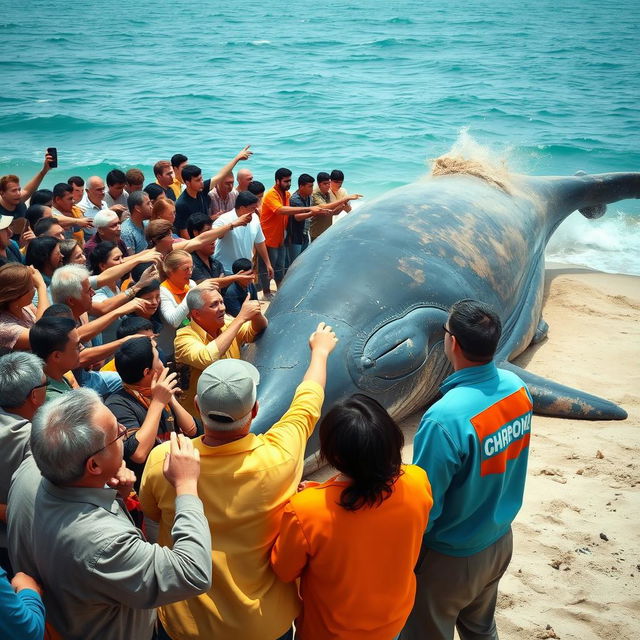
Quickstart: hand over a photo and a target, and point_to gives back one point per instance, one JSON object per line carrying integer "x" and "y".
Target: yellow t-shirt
{"x": 176, "y": 186}
{"x": 244, "y": 486}
{"x": 196, "y": 348}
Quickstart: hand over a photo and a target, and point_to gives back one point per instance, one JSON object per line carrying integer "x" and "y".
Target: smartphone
{"x": 52, "y": 151}
{"x": 18, "y": 226}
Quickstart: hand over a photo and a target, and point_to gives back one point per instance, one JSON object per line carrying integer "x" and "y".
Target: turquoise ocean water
{"x": 373, "y": 88}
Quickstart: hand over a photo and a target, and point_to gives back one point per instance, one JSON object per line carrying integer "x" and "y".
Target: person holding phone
{"x": 13, "y": 197}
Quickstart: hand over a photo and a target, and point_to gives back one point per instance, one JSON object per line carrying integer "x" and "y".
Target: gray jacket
{"x": 14, "y": 448}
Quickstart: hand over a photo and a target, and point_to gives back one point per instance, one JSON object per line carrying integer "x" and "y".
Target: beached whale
{"x": 385, "y": 276}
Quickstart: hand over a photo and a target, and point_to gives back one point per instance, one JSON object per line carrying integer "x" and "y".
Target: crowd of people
{"x": 136, "y": 503}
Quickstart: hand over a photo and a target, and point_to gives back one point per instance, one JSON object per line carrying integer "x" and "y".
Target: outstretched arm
{"x": 245, "y": 154}
{"x": 34, "y": 183}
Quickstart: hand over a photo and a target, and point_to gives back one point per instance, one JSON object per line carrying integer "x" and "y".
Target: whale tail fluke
{"x": 554, "y": 399}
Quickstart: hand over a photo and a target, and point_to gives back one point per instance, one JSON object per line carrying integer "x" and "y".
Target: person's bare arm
{"x": 322, "y": 342}
{"x": 34, "y": 183}
{"x": 118, "y": 271}
{"x": 245, "y": 154}
{"x": 250, "y": 310}
{"x": 261, "y": 249}
{"x": 313, "y": 210}
{"x": 92, "y": 355}
{"x": 207, "y": 237}
{"x": 163, "y": 388}
{"x": 93, "y": 328}
{"x": 184, "y": 419}
{"x": 66, "y": 222}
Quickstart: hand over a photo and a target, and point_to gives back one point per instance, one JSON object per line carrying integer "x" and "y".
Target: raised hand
{"x": 323, "y": 339}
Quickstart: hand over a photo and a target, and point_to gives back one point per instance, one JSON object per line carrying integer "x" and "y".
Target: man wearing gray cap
{"x": 246, "y": 479}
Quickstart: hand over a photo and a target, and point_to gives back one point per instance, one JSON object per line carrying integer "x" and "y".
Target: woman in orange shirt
{"x": 354, "y": 540}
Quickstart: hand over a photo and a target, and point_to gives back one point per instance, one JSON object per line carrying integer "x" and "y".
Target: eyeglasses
{"x": 39, "y": 386}
{"x": 447, "y": 331}
{"x": 122, "y": 432}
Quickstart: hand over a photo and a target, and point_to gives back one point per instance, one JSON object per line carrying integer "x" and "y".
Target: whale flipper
{"x": 554, "y": 399}
{"x": 541, "y": 332}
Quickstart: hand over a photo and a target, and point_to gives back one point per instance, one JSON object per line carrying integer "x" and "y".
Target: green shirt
{"x": 56, "y": 387}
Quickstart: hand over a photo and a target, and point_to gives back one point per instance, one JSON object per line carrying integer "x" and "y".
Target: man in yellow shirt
{"x": 245, "y": 481}
{"x": 211, "y": 336}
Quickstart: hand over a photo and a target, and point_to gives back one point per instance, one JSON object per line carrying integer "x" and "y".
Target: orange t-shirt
{"x": 274, "y": 224}
{"x": 356, "y": 567}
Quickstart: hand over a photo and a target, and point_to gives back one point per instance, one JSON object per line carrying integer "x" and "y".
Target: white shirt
{"x": 172, "y": 314}
{"x": 237, "y": 243}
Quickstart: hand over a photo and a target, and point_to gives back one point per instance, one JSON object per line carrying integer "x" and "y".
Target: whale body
{"x": 385, "y": 276}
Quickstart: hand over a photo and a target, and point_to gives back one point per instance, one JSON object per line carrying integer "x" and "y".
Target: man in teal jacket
{"x": 474, "y": 446}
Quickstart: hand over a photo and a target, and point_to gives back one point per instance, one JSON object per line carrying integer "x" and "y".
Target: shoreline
{"x": 565, "y": 580}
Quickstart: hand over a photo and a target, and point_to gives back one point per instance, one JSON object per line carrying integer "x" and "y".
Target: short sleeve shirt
{"x": 274, "y": 224}
{"x": 186, "y": 206}
{"x": 237, "y": 243}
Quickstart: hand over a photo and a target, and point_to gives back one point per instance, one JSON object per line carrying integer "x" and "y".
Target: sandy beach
{"x": 576, "y": 565}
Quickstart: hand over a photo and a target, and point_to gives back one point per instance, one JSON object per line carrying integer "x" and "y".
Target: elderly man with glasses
{"x": 101, "y": 578}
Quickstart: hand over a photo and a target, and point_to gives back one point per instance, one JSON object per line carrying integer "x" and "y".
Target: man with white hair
{"x": 101, "y": 578}
{"x": 22, "y": 391}
{"x": 211, "y": 336}
{"x": 107, "y": 226}
{"x": 247, "y": 479}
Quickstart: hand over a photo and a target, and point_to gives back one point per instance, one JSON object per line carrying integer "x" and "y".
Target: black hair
{"x": 44, "y": 224}
{"x": 49, "y": 335}
{"x": 58, "y": 311}
{"x": 42, "y": 196}
{"x": 39, "y": 250}
{"x": 99, "y": 255}
{"x": 35, "y": 213}
{"x": 153, "y": 190}
{"x": 60, "y": 189}
{"x": 282, "y": 173}
{"x": 190, "y": 171}
{"x": 131, "y": 325}
{"x": 477, "y": 328}
{"x": 256, "y": 187}
{"x": 132, "y": 358}
{"x": 337, "y": 175}
{"x": 246, "y": 199}
{"x": 323, "y": 176}
{"x": 76, "y": 180}
{"x": 360, "y": 439}
{"x": 305, "y": 178}
{"x": 135, "y": 199}
{"x": 241, "y": 264}
{"x": 177, "y": 159}
{"x": 115, "y": 176}
{"x": 197, "y": 222}
{"x": 154, "y": 285}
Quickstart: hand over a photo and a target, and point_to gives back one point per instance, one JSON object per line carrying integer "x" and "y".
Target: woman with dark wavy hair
{"x": 354, "y": 540}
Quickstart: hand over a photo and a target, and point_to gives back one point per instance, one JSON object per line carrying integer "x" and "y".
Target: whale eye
{"x": 401, "y": 346}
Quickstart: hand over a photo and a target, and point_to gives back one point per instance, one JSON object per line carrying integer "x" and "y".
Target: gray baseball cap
{"x": 227, "y": 390}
